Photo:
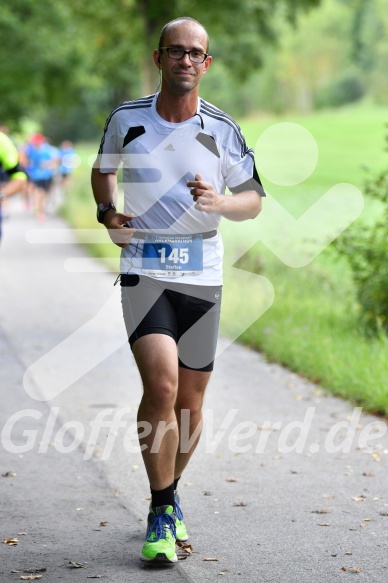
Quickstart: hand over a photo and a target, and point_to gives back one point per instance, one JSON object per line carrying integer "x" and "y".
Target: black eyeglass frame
{"x": 167, "y": 49}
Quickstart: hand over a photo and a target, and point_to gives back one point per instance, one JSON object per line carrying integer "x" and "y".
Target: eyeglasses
{"x": 176, "y": 54}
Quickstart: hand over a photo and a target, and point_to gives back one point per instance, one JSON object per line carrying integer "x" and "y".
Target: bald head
{"x": 177, "y": 22}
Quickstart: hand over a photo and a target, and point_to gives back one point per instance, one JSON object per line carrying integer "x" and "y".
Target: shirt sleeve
{"x": 240, "y": 169}
{"x": 9, "y": 159}
{"x": 109, "y": 154}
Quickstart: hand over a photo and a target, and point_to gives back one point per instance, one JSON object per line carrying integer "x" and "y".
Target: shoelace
{"x": 160, "y": 526}
{"x": 178, "y": 511}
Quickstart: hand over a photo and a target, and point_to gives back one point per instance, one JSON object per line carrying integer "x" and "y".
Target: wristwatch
{"x": 102, "y": 208}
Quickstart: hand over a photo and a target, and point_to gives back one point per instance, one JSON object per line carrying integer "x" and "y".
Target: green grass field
{"x": 312, "y": 325}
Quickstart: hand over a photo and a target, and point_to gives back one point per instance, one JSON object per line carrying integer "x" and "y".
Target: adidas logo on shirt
{"x": 170, "y": 148}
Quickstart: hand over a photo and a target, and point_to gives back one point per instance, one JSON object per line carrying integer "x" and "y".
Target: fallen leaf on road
{"x": 232, "y": 479}
{"x": 369, "y": 474}
{"x": 186, "y": 547}
{"x": 104, "y": 523}
{"x": 267, "y": 428}
{"x": 352, "y": 569}
{"x": 384, "y": 513}
{"x": 322, "y": 511}
{"x": 22, "y": 534}
{"x": 9, "y": 475}
{"x": 323, "y": 524}
{"x": 76, "y": 565}
{"x": 241, "y": 503}
{"x": 93, "y": 577}
{"x": 35, "y": 570}
{"x": 10, "y": 541}
{"x": 223, "y": 571}
{"x": 359, "y": 498}
{"x": 30, "y": 577}
{"x": 210, "y": 559}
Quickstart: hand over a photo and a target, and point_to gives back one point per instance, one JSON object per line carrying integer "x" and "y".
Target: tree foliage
{"x": 337, "y": 54}
{"x": 53, "y": 53}
{"x": 41, "y": 57}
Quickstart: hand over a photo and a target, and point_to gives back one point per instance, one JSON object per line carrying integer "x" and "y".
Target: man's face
{"x": 183, "y": 76}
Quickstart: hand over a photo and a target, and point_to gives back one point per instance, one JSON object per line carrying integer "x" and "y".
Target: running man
{"x": 68, "y": 161}
{"x": 42, "y": 160}
{"x": 179, "y": 153}
{"x": 12, "y": 178}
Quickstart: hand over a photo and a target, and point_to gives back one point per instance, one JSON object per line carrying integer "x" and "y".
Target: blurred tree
{"x": 41, "y": 56}
{"x": 311, "y": 58}
{"x": 374, "y": 55}
{"x": 336, "y": 55}
{"x": 51, "y": 51}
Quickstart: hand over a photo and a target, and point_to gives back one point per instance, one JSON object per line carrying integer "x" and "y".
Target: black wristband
{"x": 102, "y": 209}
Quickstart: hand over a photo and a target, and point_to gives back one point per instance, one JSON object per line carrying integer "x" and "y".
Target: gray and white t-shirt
{"x": 158, "y": 158}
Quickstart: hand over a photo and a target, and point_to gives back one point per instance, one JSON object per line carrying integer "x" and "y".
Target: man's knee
{"x": 161, "y": 392}
{"x": 191, "y": 403}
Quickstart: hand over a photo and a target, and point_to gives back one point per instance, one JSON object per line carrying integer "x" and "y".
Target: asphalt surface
{"x": 74, "y": 493}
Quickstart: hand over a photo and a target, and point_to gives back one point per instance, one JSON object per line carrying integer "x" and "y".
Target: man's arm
{"x": 239, "y": 207}
{"x": 104, "y": 186}
{"x": 242, "y": 206}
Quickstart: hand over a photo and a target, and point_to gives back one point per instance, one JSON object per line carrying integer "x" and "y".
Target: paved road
{"x": 73, "y": 489}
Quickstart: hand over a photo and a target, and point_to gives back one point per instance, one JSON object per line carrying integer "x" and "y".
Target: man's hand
{"x": 205, "y": 196}
{"x": 239, "y": 207}
{"x": 118, "y": 230}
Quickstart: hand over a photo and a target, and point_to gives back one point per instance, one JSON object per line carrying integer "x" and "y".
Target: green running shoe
{"x": 159, "y": 546}
{"x": 181, "y": 532}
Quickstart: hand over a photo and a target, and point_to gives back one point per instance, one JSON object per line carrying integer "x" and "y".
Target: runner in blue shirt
{"x": 42, "y": 161}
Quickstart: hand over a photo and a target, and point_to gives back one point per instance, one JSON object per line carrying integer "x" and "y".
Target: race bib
{"x": 172, "y": 255}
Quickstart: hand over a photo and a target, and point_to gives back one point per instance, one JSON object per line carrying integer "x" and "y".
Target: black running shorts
{"x": 190, "y": 314}
{"x": 44, "y": 184}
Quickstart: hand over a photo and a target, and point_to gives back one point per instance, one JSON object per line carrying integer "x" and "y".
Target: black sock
{"x": 176, "y": 482}
{"x": 163, "y": 497}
